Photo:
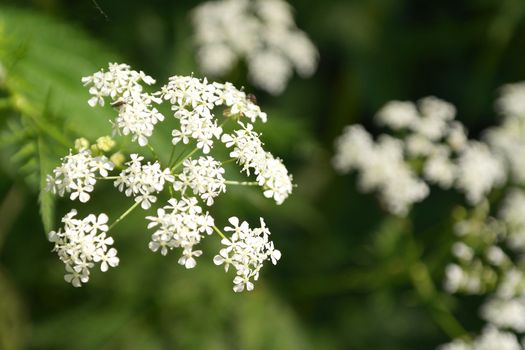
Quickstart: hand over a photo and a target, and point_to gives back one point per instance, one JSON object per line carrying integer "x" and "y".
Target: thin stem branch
{"x": 126, "y": 213}
{"x": 106, "y": 177}
{"x": 219, "y": 232}
{"x": 229, "y": 161}
{"x": 241, "y": 183}
{"x": 183, "y": 159}
{"x": 424, "y": 285}
{"x": 171, "y": 155}
{"x": 150, "y": 147}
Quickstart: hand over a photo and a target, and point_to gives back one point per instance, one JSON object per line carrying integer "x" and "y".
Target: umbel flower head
{"x": 425, "y": 146}
{"x": 431, "y": 149}
{"x": 262, "y": 32}
{"x": 206, "y": 114}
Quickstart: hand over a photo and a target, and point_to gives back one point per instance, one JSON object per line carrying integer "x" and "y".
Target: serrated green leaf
{"x": 43, "y": 54}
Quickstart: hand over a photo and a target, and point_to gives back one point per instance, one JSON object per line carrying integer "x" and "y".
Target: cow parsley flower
{"x": 271, "y": 174}
{"x": 204, "y": 176}
{"x": 180, "y": 224}
{"x": 508, "y": 141}
{"x": 398, "y": 115}
{"x": 505, "y": 313}
{"x": 490, "y": 339}
{"x": 479, "y": 170}
{"x": 440, "y": 169}
{"x": 381, "y": 168}
{"x": 76, "y": 175}
{"x": 246, "y": 250}
{"x": 122, "y": 85}
{"x": 81, "y": 244}
{"x": 200, "y": 109}
{"x": 429, "y": 145}
{"x": 193, "y": 100}
{"x": 142, "y": 181}
{"x": 262, "y": 32}
{"x": 512, "y": 100}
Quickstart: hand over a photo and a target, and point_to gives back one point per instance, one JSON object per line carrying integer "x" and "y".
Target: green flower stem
{"x": 183, "y": 159}
{"x": 106, "y": 177}
{"x": 171, "y": 155}
{"x": 126, "y": 213}
{"x": 241, "y": 183}
{"x": 229, "y": 161}
{"x": 219, "y": 232}
{"x": 192, "y": 152}
{"x": 425, "y": 288}
{"x": 422, "y": 281}
{"x": 150, "y": 147}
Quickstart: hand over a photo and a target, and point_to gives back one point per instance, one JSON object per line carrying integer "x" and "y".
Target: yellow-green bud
{"x": 105, "y": 143}
{"x": 81, "y": 143}
{"x": 117, "y": 159}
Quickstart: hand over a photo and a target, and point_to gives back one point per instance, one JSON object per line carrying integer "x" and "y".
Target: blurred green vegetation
{"x": 351, "y": 276}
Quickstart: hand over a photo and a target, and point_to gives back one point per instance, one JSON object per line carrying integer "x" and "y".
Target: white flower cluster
{"x": 486, "y": 265}
{"x": 193, "y": 100}
{"x": 271, "y": 173}
{"x": 490, "y": 339}
{"x": 180, "y": 224}
{"x": 432, "y": 147}
{"x": 246, "y": 250}
{"x": 263, "y": 32}
{"x": 136, "y": 114}
{"x": 511, "y": 102}
{"x": 479, "y": 170}
{"x": 508, "y": 139}
{"x": 81, "y": 244}
{"x": 506, "y": 313}
{"x": 142, "y": 181}
{"x": 381, "y": 167}
{"x": 77, "y": 174}
{"x": 490, "y": 250}
{"x": 204, "y": 176}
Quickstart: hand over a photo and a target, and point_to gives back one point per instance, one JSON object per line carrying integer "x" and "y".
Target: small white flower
{"x": 246, "y": 250}
{"x": 398, "y": 115}
{"x": 180, "y": 224}
{"x": 142, "y": 181}
{"x": 262, "y": 32}
{"x": 76, "y": 174}
{"x": 204, "y": 176}
{"x": 271, "y": 173}
{"x": 512, "y": 100}
{"x": 136, "y": 116}
{"x": 439, "y": 168}
{"x": 82, "y": 243}
{"x": 479, "y": 170}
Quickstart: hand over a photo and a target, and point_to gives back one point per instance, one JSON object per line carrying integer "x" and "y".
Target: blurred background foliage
{"x": 351, "y": 276}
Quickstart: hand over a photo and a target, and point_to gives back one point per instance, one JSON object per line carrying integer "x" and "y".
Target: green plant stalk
{"x": 126, "y": 213}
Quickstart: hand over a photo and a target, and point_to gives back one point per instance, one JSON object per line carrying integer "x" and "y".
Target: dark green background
{"x": 351, "y": 276}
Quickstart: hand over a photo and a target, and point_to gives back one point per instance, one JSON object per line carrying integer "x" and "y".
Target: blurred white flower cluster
{"x": 262, "y": 32}
{"x": 427, "y": 146}
{"x": 491, "y": 338}
{"x": 490, "y": 250}
{"x": 205, "y": 113}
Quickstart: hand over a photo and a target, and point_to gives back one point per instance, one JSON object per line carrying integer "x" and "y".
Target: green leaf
{"x": 46, "y": 199}
{"x": 43, "y": 54}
